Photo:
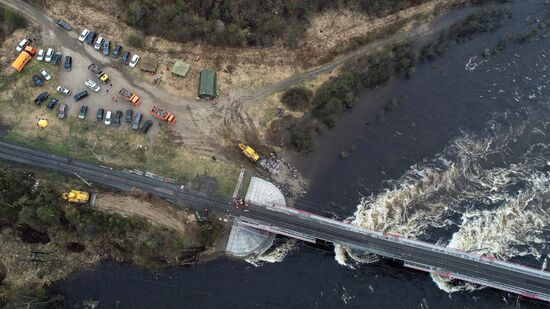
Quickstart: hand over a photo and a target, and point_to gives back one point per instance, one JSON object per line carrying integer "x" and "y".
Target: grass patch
{"x": 10, "y": 21}
{"x": 135, "y": 40}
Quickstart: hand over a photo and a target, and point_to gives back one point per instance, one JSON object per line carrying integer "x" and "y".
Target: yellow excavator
{"x": 79, "y": 197}
{"x": 249, "y": 152}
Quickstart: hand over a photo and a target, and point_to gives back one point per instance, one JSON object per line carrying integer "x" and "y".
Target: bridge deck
{"x": 444, "y": 261}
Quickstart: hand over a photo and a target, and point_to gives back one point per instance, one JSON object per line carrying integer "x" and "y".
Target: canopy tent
{"x": 180, "y": 68}
{"x": 149, "y": 64}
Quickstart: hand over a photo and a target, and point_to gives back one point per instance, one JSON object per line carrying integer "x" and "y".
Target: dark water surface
{"x": 488, "y": 123}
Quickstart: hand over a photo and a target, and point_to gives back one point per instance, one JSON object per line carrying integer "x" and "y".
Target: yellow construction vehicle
{"x": 78, "y": 197}
{"x": 249, "y": 152}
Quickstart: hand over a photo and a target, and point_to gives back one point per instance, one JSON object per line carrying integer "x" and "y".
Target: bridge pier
{"x": 245, "y": 238}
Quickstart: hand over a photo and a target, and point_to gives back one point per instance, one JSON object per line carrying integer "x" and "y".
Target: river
{"x": 463, "y": 160}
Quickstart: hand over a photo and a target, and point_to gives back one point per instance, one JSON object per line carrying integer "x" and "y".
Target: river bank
{"x": 44, "y": 239}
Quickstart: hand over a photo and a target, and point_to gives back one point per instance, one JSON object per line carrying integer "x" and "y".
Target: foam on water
{"x": 275, "y": 255}
{"x": 494, "y": 190}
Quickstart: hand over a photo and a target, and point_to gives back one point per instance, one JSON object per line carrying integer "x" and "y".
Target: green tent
{"x": 207, "y": 85}
{"x": 180, "y": 68}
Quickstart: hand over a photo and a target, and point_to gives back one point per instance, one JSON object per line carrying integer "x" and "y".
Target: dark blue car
{"x": 117, "y": 50}
{"x": 68, "y": 63}
{"x": 90, "y": 38}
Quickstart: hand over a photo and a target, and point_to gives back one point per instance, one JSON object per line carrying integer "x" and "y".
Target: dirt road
{"x": 160, "y": 213}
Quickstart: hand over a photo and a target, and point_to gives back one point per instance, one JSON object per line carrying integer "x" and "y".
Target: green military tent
{"x": 207, "y": 85}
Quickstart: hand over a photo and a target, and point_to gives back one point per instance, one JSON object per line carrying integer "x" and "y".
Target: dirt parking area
{"x": 107, "y": 97}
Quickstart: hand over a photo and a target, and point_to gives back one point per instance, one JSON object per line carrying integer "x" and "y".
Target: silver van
{"x": 108, "y": 118}
{"x": 135, "y": 126}
{"x": 62, "y": 111}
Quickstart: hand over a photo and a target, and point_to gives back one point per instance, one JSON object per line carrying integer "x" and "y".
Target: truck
{"x": 129, "y": 96}
{"x": 161, "y": 114}
{"x": 98, "y": 72}
{"x": 79, "y": 197}
{"x": 24, "y": 56}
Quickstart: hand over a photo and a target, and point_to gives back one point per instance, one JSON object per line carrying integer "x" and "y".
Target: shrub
{"x": 301, "y": 137}
{"x": 480, "y": 21}
{"x": 297, "y": 98}
{"x": 135, "y": 40}
{"x": 334, "y": 96}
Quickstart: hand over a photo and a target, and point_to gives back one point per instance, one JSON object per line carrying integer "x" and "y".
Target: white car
{"x": 134, "y": 61}
{"x": 63, "y": 90}
{"x": 108, "y": 118}
{"x": 98, "y": 43}
{"x": 92, "y": 85}
{"x": 40, "y": 55}
{"x": 83, "y": 35}
{"x": 46, "y": 75}
{"x": 49, "y": 55}
{"x": 22, "y": 45}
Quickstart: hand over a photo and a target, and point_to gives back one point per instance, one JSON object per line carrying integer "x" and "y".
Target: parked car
{"x": 56, "y": 59}
{"x": 99, "y": 115}
{"x": 90, "y": 37}
{"x": 40, "y": 55}
{"x": 129, "y": 116}
{"x": 92, "y": 85}
{"x": 98, "y": 43}
{"x": 106, "y": 47}
{"x": 63, "y": 24}
{"x": 134, "y": 61}
{"x": 108, "y": 118}
{"x": 116, "y": 51}
{"x": 52, "y": 103}
{"x": 63, "y": 90}
{"x": 125, "y": 58}
{"x": 22, "y": 45}
{"x": 37, "y": 80}
{"x": 49, "y": 55}
{"x": 81, "y": 95}
{"x": 116, "y": 120}
{"x": 83, "y": 35}
{"x": 68, "y": 63}
{"x": 146, "y": 125}
{"x": 83, "y": 111}
{"x": 41, "y": 98}
{"x": 45, "y": 73}
{"x": 62, "y": 111}
{"x": 135, "y": 125}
